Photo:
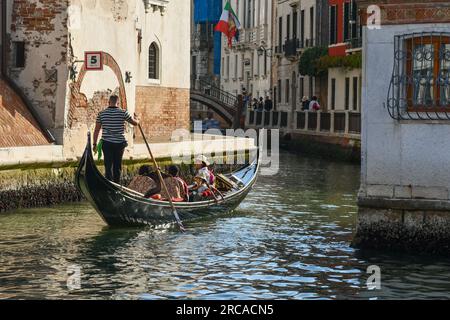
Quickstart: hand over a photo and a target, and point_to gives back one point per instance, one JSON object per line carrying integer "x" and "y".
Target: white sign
{"x": 93, "y": 60}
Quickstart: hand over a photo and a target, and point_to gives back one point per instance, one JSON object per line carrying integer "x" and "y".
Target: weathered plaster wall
{"x": 117, "y": 25}
{"x": 42, "y": 25}
{"x": 406, "y": 159}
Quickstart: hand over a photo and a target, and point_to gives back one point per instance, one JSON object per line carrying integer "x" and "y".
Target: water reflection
{"x": 288, "y": 240}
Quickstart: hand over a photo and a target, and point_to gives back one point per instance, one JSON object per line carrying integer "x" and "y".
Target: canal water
{"x": 290, "y": 239}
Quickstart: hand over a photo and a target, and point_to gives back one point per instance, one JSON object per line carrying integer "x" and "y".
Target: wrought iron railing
{"x": 355, "y": 43}
{"x": 291, "y": 46}
{"x": 214, "y": 92}
{"x": 420, "y": 82}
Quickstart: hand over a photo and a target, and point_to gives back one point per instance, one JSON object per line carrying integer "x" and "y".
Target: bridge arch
{"x": 213, "y": 105}
{"x": 221, "y": 102}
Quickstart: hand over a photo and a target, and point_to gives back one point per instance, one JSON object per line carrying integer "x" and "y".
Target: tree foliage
{"x": 307, "y": 65}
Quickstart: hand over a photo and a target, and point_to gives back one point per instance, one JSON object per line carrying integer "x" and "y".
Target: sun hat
{"x": 202, "y": 159}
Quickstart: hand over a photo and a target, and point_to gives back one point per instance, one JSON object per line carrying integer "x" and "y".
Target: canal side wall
{"x": 43, "y": 176}
{"x": 404, "y": 200}
{"x": 326, "y": 146}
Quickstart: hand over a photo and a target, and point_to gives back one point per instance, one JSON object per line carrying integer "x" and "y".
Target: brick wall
{"x": 17, "y": 126}
{"x": 37, "y": 15}
{"x": 161, "y": 111}
{"x": 87, "y": 109}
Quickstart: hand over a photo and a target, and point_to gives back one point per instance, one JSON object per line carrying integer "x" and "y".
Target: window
{"x": 429, "y": 70}
{"x": 311, "y": 87}
{"x": 420, "y": 82}
{"x": 302, "y": 87}
{"x": 153, "y": 61}
{"x": 294, "y": 24}
{"x": 333, "y": 24}
{"x": 346, "y": 26}
{"x": 279, "y": 91}
{"x": 242, "y": 65}
{"x": 302, "y": 28}
{"x": 347, "y": 93}
{"x": 249, "y": 14}
{"x": 223, "y": 67}
{"x": 254, "y": 14}
{"x": 355, "y": 93}
{"x": 288, "y": 27}
{"x": 280, "y": 32}
{"x": 356, "y": 31}
{"x": 286, "y": 98}
{"x": 236, "y": 58}
{"x": 265, "y": 64}
{"x": 333, "y": 94}
{"x": 311, "y": 25}
{"x": 19, "y": 54}
{"x": 266, "y": 11}
{"x": 228, "y": 67}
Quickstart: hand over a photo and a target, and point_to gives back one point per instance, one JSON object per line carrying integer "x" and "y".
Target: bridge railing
{"x": 332, "y": 122}
{"x": 214, "y": 92}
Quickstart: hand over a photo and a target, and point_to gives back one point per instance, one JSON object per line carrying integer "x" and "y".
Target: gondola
{"x": 122, "y": 207}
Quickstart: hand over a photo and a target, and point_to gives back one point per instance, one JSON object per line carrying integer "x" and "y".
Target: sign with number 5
{"x": 93, "y": 60}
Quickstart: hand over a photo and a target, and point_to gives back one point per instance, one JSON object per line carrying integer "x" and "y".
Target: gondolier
{"x": 111, "y": 122}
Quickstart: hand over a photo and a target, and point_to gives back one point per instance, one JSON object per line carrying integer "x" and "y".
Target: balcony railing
{"x": 338, "y": 123}
{"x": 355, "y": 43}
{"x": 291, "y": 46}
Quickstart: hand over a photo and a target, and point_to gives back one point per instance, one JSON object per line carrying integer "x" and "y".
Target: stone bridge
{"x": 221, "y": 102}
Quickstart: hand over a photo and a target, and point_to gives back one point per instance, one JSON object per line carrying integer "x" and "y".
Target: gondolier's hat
{"x": 202, "y": 159}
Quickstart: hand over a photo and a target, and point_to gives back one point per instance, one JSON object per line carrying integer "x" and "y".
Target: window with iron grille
{"x": 153, "y": 61}
{"x": 420, "y": 83}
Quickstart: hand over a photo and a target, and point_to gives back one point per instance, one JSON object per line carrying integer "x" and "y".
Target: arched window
{"x": 153, "y": 61}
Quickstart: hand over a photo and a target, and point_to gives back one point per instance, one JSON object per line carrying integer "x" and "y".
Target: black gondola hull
{"x": 120, "y": 207}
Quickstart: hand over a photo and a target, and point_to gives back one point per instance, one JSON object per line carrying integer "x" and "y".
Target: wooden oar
{"x": 163, "y": 183}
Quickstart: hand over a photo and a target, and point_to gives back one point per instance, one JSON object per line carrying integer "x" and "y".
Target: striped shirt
{"x": 113, "y": 120}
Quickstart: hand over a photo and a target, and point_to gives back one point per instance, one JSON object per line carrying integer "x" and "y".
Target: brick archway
{"x": 78, "y": 99}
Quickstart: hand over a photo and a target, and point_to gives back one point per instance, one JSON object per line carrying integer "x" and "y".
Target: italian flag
{"x": 229, "y": 24}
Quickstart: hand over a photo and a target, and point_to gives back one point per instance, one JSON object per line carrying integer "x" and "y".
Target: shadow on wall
{"x": 18, "y": 128}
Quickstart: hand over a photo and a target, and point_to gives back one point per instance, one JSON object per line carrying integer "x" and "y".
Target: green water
{"x": 290, "y": 239}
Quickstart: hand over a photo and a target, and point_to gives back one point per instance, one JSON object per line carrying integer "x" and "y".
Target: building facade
{"x": 404, "y": 201}
{"x": 206, "y": 44}
{"x": 144, "y": 47}
{"x": 300, "y": 25}
{"x": 248, "y": 63}
{"x": 345, "y": 39}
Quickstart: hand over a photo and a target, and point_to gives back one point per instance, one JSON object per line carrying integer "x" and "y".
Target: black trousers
{"x": 113, "y": 154}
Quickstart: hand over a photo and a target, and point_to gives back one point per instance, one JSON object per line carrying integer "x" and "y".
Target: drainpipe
{"x": 4, "y": 75}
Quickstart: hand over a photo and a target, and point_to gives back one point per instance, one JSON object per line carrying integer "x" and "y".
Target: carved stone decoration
{"x": 156, "y": 5}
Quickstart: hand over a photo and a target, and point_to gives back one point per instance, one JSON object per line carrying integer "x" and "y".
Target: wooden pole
{"x": 163, "y": 183}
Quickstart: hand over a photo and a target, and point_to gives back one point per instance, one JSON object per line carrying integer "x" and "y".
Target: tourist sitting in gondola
{"x": 143, "y": 183}
{"x": 204, "y": 181}
{"x": 147, "y": 182}
{"x": 178, "y": 188}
